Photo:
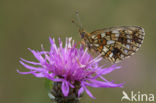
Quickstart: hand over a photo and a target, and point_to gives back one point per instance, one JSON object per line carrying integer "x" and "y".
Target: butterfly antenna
{"x": 79, "y": 25}
{"x": 75, "y": 23}
{"x": 78, "y": 19}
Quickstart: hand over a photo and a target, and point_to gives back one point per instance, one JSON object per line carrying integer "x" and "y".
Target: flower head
{"x": 69, "y": 65}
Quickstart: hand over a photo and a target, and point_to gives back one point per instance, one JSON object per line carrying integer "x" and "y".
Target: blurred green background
{"x": 29, "y": 23}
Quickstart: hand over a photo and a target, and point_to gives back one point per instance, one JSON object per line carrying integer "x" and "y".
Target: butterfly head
{"x": 83, "y": 34}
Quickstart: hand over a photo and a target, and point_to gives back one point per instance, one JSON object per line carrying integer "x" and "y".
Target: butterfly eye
{"x": 82, "y": 34}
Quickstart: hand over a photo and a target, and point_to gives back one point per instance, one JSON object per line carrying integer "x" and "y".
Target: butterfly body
{"x": 115, "y": 43}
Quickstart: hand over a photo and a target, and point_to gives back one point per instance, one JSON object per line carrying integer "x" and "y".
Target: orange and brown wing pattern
{"x": 117, "y": 43}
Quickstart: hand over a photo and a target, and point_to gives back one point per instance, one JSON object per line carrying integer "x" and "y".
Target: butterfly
{"x": 114, "y": 43}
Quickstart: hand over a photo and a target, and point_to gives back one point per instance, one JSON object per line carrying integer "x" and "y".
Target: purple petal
{"x": 39, "y": 75}
{"x": 51, "y": 77}
{"x": 44, "y": 52}
{"x": 53, "y": 45}
{"x": 96, "y": 84}
{"x": 110, "y": 69}
{"x": 51, "y": 40}
{"x": 72, "y": 86}
{"x": 31, "y": 67}
{"x": 103, "y": 79}
{"x": 81, "y": 90}
{"x": 26, "y": 72}
{"x": 37, "y": 55}
{"x": 95, "y": 60}
{"x": 65, "y": 88}
{"x": 30, "y": 62}
{"x": 60, "y": 43}
{"x": 87, "y": 91}
{"x": 46, "y": 56}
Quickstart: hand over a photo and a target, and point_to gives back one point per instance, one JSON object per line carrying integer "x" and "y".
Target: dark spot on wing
{"x": 116, "y": 52}
{"x": 122, "y": 40}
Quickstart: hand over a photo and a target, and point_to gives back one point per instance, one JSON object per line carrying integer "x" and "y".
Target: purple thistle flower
{"x": 69, "y": 66}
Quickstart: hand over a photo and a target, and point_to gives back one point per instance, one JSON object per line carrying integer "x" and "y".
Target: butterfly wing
{"x": 117, "y": 43}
